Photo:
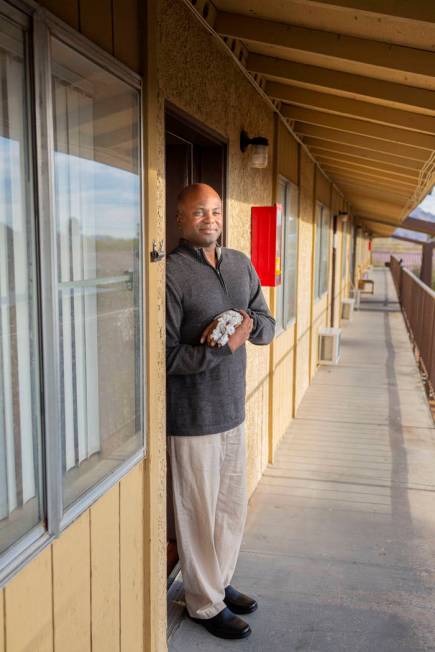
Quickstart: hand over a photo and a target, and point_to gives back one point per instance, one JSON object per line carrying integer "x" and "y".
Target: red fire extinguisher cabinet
{"x": 266, "y": 243}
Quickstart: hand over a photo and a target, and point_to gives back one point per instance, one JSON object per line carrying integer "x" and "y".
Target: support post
{"x": 426, "y": 263}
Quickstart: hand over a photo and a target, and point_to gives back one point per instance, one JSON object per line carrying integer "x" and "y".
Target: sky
{"x": 105, "y": 199}
{"x": 428, "y": 204}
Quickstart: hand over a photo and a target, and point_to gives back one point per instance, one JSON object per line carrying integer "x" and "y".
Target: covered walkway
{"x": 340, "y": 543}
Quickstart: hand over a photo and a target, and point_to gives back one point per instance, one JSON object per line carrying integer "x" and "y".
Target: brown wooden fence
{"x": 418, "y": 305}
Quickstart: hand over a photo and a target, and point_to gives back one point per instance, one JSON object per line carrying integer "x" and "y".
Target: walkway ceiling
{"x": 355, "y": 79}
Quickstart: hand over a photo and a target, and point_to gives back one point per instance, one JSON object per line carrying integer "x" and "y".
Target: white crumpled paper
{"x": 227, "y": 323}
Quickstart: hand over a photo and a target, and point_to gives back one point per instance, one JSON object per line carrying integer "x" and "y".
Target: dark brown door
{"x": 194, "y": 154}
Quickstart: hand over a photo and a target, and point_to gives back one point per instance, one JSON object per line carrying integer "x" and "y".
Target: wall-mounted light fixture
{"x": 344, "y": 216}
{"x": 259, "y": 152}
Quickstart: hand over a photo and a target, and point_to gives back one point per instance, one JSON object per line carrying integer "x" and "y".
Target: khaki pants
{"x": 210, "y": 505}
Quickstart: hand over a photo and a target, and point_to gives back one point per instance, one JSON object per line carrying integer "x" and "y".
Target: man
{"x": 206, "y": 408}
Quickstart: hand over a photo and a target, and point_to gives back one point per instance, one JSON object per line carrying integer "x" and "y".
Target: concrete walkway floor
{"x": 339, "y": 547}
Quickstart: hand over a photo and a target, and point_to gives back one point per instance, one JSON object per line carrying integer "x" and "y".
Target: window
{"x": 79, "y": 337}
{"x": 345, "y": 248}
{"x": 321, "y": 261}
{"x": 97, "y": 209}
{"x": 288, "y": 197}
{"x": 20, "y": 443}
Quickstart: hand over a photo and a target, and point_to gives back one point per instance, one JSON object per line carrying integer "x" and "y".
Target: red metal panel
{"x": 266, "y": 243}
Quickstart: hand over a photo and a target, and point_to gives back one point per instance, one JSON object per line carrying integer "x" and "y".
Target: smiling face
{"x": 199, "y": 215}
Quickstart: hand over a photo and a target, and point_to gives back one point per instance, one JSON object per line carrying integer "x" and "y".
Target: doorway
{"x": 193, "y": 154}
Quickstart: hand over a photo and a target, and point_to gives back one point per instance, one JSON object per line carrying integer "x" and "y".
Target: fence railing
{"x": 410, "y": 259}
{"x": 418, "y": 306}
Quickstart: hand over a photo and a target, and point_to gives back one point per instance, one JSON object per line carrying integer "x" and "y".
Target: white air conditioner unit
{"x": 356, "y": 296}
{"x": 329, "y": 345}
{"x": 347, "y": 306}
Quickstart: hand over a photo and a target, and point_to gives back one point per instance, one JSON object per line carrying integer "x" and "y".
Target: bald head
{"x": 195, "y": 191}
{"x": 199, "y": 214}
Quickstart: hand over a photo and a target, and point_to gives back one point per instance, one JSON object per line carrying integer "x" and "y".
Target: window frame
{"x": 321, "y": 243}
{"x": 40, "y": 26}
{"x": 282, "y": 324}
{"x": 344, "y": 250}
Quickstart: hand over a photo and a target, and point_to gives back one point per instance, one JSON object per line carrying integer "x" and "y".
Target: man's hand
{"x": 242, "y": 333}
{"x": 206, "y": 333}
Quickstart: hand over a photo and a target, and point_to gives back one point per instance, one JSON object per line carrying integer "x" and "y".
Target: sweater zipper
{"x": 216, "y": 270}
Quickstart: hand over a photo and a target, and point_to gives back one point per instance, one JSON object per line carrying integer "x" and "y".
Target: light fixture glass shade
{"x": 259, "y": 156}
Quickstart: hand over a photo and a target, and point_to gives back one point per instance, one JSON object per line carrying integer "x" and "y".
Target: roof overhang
{"x": 355, "y": 80}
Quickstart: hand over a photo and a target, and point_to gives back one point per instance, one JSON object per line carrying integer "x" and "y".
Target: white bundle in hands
{"x": 226, "y": 325}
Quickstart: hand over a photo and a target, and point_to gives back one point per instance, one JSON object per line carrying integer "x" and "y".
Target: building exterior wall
{"x": 102, "y": 584}
{"x": 282, "y": 349}
{"x": 336, "y": 207}
{"x": 321, "y": 306}
{"x": 197, "y": 76}
{"x": 113, "y": 25}
{"x": 86, "y": 590}
{"x": 307, "y": 171}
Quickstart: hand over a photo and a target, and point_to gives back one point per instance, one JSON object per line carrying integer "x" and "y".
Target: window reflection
{"x": 97, "y": 209}
{"x": 20, "y": 504}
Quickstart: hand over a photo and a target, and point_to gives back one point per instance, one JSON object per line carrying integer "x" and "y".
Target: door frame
{"x": 210, "y": 134}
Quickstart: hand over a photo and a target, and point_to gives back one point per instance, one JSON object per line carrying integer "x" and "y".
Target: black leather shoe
{"x": 225, "y": 625}
{"x": 239, "y": 603}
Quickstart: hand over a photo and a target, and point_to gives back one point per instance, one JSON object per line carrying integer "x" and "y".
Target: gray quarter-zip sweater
{"x": 206, "y": 386}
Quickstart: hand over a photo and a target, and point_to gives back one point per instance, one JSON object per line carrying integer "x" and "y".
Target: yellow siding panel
{"x": 282, "y": 398}
{"x": 96, "y": 22}
{"x": 67, "y": 10}
{"x": 323, "y": 189}
{"x": 2, "y": 623}
{"x": 288, "y": 154}
{"x": 71, "y": 588}
{"x": 302, "y": 367}
{"x": 29, "y": 625}
{"x": 320, "y": 318}
{"x": 131, "y": 561}
{"x": 105, "y": 572}
{"x": 305, "y": 274}
{"x": 126, "y": 24}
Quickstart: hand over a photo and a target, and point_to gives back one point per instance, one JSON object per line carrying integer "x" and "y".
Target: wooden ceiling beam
{"x": 348, "y": 189}
{"x": 366, "y": 164}
{"x": 335, "y": 46}
{"x": 375, "y": 206}
{"x": 316, "y": 146}
{"x": 367, "y": 174}
{"x": 424, "y": 11}
{"x": 351, "y": 108}
{"x": 343, "y": 83}
{"x": 370, "y": 143}
{"x": 414, "y": 224}
{"x": 358, "y": 188}
{"x": 380, "y": 191}
{"x": 359, "y": 191}
{"x": 361, "y": 127}
{"x": 378, "y": 220}
{"x": 402, "y": 237}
